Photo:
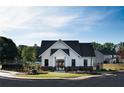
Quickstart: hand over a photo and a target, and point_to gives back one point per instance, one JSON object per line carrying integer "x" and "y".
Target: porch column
{"x": 64, "y": 61}
{"x": 91, "y": 61}
{"x": 54, "y": 61}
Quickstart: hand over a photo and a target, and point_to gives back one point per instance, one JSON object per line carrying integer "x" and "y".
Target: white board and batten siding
{"x": 99, "y": 57}
{"x": 68, "y": 58}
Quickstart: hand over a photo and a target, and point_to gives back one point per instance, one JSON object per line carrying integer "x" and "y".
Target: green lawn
{"x": 54, "y": 75}
{"x": 113, "y": 66}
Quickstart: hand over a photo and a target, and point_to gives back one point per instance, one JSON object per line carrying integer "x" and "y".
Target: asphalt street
{"x": 116, "y": 80}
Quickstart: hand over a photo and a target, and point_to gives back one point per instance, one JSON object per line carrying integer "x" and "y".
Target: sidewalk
{"x": 9, "y": 74}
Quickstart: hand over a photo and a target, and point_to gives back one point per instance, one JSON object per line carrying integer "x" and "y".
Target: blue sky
{"x": 30, "y": 25}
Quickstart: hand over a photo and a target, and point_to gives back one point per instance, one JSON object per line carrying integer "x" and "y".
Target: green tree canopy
{"x": 29, "y": 54}
{"x": 121, "y": 45}
{"x": 20, "y": 48}
{"x": 107, "y": 46}
{"x": 8, "y": 49}
{"x": 97, "y": 45}
{"x": 110, "y": 46}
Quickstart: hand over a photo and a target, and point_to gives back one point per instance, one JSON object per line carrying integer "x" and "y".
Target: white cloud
{"x": 36, "y": 37}
{"x": 17, "y": 17}
{"x": 22, "y": 17}
{"x": 13, "y": 17}
{"x": 58, "y": 21}
{"x": 33, "y": 23}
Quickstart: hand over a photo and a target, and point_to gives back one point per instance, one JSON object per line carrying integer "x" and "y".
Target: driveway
{"x": 116, "y": 80}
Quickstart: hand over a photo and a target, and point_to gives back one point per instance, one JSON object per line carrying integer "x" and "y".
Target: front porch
{"x": 60, "y": 64}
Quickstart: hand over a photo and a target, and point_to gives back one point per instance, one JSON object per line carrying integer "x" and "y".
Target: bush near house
{"x": 32, "y": 67}
{"x": 78, "y": 68}
{"x": 113, "y": 66}
{"x": 48, "y": 68}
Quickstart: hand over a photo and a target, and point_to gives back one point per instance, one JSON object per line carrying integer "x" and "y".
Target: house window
{"x": 73, "y": 62}
{"x": 46, "y": 62}
{"x": 85, "y": 62}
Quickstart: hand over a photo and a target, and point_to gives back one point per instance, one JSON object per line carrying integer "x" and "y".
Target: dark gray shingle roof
{"x": 53, "y": 51}
{"x": 74, "y": 45}
{"x": 107, "y": 52}
{"x": 87, "y": 50}
{"x": 66, "y": 51}
{"x": 45, "y": 44}
{"x": 83, "y": 49}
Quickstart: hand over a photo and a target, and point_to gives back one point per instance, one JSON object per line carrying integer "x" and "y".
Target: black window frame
{"x": 46, "y": 62}
{"x": 85, "y": 62}
{"x": 73, "y": 62}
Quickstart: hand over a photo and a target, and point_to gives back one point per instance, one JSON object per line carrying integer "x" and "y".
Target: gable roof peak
{"x": 83, "y": 49}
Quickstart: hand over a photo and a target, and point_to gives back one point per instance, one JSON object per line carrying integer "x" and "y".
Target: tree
{"x": 121, "y": 53}
{"x": 8, "y": 50}
{"x": 120, "y": 50}
{"x": 121, "y": 45}
{"x": 29, "y": 54}
{"x": 97, "y": 45}
{"x": 109, "y": 46}
{"x": 37, "y": 51}
{"x": 20, "y": 48}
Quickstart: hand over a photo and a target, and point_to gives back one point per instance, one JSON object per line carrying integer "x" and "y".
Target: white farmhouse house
{"x": 105, "y": 56}
{"x": 63, "y": 55}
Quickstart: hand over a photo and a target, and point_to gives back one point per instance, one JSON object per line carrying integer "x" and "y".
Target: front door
{"x": 60, "y": 64}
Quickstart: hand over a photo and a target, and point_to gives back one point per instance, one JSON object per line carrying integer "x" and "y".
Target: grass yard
{"x": 113, "y": 66}
{"x": 54, "y": 75}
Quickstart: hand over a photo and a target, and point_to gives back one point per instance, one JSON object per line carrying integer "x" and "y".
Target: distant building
{"x": 105, "y": 56}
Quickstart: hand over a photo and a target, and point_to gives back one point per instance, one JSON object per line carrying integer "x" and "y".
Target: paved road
{"x": 105, "y": 81}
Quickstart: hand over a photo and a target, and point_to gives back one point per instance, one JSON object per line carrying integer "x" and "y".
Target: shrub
{"x": 35, "y": 72}
{"x": 95, "y": 73}
{"x": 31, "y": 66}
{"x": 48, "y": 68}
{"x": 79, "y": 68}
{"x": 13, "y": 67}
{"x": 121, "y": 69}
{"x": 103, "y": 70}
{"x": 110, "y": 70}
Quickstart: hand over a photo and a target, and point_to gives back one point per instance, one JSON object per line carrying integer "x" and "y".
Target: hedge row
{"x": 21, "y": 67}
{"x": 69, "y": 68}
{"x": 15, "y": 67}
